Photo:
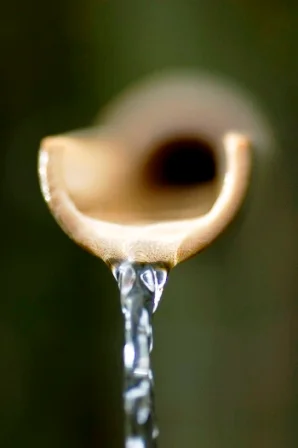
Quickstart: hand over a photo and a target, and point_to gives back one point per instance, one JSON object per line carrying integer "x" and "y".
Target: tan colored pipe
{"x": 95, "y": 184}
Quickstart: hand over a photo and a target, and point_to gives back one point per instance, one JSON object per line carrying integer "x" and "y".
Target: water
{"x": 141, "y": 287}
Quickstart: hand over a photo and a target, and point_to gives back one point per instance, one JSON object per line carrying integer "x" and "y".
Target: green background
{"x": 225, "y": 355}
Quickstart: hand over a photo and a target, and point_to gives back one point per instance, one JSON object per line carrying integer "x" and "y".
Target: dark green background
{"x": 226, "y": 334}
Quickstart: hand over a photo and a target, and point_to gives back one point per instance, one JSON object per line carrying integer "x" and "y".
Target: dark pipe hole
{"x": 183, "y": 162}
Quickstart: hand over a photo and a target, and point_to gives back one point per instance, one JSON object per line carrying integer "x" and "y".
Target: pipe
{"x": 161, "y": 174}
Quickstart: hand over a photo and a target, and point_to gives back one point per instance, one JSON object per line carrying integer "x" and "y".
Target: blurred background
{"x": 225, "y": 355}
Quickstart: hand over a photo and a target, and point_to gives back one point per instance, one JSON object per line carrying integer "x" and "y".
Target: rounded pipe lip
{"x": 168, "y": 242}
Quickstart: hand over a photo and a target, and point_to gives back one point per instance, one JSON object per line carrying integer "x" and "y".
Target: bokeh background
{"x": 225, "y": 355}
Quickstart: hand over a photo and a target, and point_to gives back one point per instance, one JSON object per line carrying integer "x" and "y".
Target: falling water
{"x": 141, "y": 286}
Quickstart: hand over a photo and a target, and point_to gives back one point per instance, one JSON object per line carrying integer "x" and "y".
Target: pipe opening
{"x": 173, "y": 179}
{"x": 183, "y": 162}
